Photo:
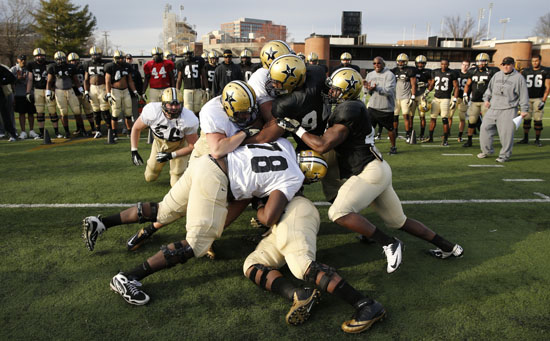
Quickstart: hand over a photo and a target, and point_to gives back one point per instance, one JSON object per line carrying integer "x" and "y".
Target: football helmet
{"x": 424, "y": 105}
{"x": 402, "y": 60}
{"x": 344, "y": 84}
{"x": 286, "y": 73}
{"x": 345, "y": 56}
{"x": 313, "y": 165}
{"x": 204, "y": 55}
{"x": 60, "y": 57}
{"x": 302, "y": 56}
{"x": 482, "y": 59}
{"x": 118, "y": 56}
{"x": 168, "y": 54}
{"x": 312, "y": 57}
{"x": 273, "y": 49}
{"x": 156, "y": 53}
{"x": 213, "y": 58}
{"x": 38, "y": 52}
{"x": 246, "y": 53}
{"x": 95, "y": 50}
{"x": 420, "y": 59}
{"x": 73, "y": 57}
{"x": 239, "y": 102}
{"x": 172, "y": 102}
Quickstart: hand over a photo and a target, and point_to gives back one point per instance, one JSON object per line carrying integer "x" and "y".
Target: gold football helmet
{"x": 246, "y": 53}
{"x": 424, "y": 106}
{"x": 345, "y": 56}
{"x": 204, "y": 55}
{"x": 60, "y": 57}
{"x": 344, "y": 84}
{"x": 168, "y": 54}
{"x": 402, "y": 60}
{"x": 95, "y": 50}
{"x": 286, "y": 73}
{"x": 38, "y": 52}
{"x": 156, "y": 50}
{"x": 73, "y": 56}
{"x": 420, "y": 59}
{"x": 312, "y": 57}
{"x": 272, "y": 50}
{"x": 213, "y": 57}
{"x": 482, "y": 59}
{"x": 313, "y": 165}
{"x": 118, "y": 55}
{"x": 302, "y": 56}
{"x": 239, "y": 102}
{"x": 172, "y": 102}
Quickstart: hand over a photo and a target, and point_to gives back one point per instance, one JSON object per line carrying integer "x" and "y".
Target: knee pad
{"x": 527, "y": 124}
{"x": 40, "y": 118}
{"x": 472, "y": 125}
{"x": 152, "y": 216}
{"x": 263, "y": 278}
{"x": 106, "y": 116}
{"x": 538, "y": 125}
{"x": 179, "y": 255}
{"x": 54, "y": 118}
{"x": 445, "y": 120}
{"x": 89, "y": 116}
{"x": 314, "y": 269}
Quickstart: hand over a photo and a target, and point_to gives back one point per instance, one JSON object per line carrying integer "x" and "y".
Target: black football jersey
{"x": 305, "y": 105}
{"x": 422, "y": 78}
{"x": 39, "y": 74}
{"x": 480, "y": 81}
{"x": 462, "y": 79}
{"x": 248, "y": 70}
{"x": 403, "y": 81}
{"x": 191, "y": 72}
{"x": 117, "y": 71}
{"x": 63, "y": 74}
{"x": 354, "y": 153}
{"x": 535, "y": 80}
{"x": 210, "y": 71}
{"x": 355, "y": 67}
{"x": 443, "y": 83}
{"x": 95, "y": 69}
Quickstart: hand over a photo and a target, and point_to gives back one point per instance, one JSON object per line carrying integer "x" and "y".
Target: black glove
{"x": 288, "y": 124}
{"x": 258, "y": 203}
{"x": 541, "y": 105}
{"x": 249, "y": 131}
{"x": 109, "y": 98}
{"x": 136, "y": 158}
{"x": 163, "y": 157}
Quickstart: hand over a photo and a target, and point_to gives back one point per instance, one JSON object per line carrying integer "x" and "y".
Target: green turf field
{"x": 54, "y": 288}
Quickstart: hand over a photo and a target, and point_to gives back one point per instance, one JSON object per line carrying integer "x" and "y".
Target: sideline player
{"x": 175, "y": 133}
{"x": 22, "y": 105}
{"x": 369, "y": 177}
{"x": 210, "y": 69}
{"x": 159, "y": 75}
{"x": 247, "y": 68}
{"x": 225, "y": 73}
{"x": 538, "y": 84}
{"x": 192, "y": 75}
{"x": 405, "y": 90}
{"x": 345, "y": 61}
{"x": 462, "y": 106}
{"x": 36, "y": 92}
{"x": 85, "y": 105}
{"x": 94, "y": 88}
{"x": 423, "y": 80}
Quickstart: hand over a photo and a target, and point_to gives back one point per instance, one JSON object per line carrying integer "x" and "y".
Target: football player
{"x": 118, "y": 78}
{"x": 292, "y": 240}
{"x": 175, "y": 133}
{"x": 369, "y": 180}
{"x": 423, "y": 80}
{"x": 313, "y": 59}
{"x": 201, "y": 195}
{"x": 169, "y": 55}
{"x": 94, "y": 88}
{"x": 7, "y": 79}
{"x": 225, "y": 73}
{"x": 85, "y": 105}
{"x": 22, "y": 105}
{"x": 247, "y": 68}
{"x": 36, "y": 92}
{"x": 462, "y": 106}
{"x": 62, "y": 77}
{"x": 192, "y": 74}
{"x": 475, "y": 87}
{"x": 538, "y": 84}
{"x": 159, "y": 75}
{"x": 345, "y": 61}
{"x": 137, "y": 102}
{"x": 446, "y": 85}
{"x": 405, "y": 91}
{"x": 210, "y": 68}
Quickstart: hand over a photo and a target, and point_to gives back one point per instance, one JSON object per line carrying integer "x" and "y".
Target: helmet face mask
{"x": 118, "y": 57}
{"x": 96, "y": 53}
{"x": 420, "y": 62}
{"x": 313, "y": 165}
{"x": 239, "y": 102}
{"x": 482, "y": 60}
{"x": 344, "y": 84}
{"x": 213, "y": 58}
{"x": 60, "y": 58}
{"x": 286, "y": 73}
{"x": 402, "y": 60}
{"x": 172, "y": 103}
{"x": 156, "y": 53}
{"x": 73, "y": 58}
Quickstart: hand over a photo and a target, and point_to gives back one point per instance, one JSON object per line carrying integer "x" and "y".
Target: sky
{"x": 136, "y": 26}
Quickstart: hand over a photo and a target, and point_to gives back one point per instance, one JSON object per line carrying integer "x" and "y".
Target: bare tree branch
{"x": 542, "y": 27}
{"x": 16, "y": 31}
{"x": 460, "y": 28}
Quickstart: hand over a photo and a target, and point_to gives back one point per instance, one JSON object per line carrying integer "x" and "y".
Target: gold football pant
{"x": 155, "y": 94}
{"x": 441, "y": 106}
{"x": 372, "y": 187}
{"x": 97, "y": 96}
{"x": 534, "y": 112}
{"x": 401, "y": 105}
{"x": 192, "y": 99}
{"x": 293, "y": 240}
{"x": 66, "y": 99}
{"x": 177, "y": 165}
{"x": 476, "y": 108}
{"x": 201, "y": 193}
{"x": 122, "y": 103}
{"x": 40, "y": 102}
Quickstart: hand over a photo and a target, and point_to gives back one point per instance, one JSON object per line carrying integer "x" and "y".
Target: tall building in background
{"x": 351, "y": 24}
{"x": 176, "y": 33}
{"x": 248, "y": 29}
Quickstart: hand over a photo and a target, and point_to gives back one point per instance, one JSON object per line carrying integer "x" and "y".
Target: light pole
{"x": 489, "y": 20}
{"x": 504, "y": 22}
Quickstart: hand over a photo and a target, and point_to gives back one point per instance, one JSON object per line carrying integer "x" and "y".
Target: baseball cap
{"x": 22, "y": 57}
{"x": 508, "y": 60}
{"x": 227, "y": 53}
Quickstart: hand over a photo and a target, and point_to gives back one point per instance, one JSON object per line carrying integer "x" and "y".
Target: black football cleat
{"x": 366, "y": 314}
{"x": 304, "y": 300}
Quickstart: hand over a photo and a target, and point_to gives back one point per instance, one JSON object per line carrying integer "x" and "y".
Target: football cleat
{"x": 457, "y": 251}
{"x": 523, "y": 141}
{"x": 501, "y": 159}
{"x": 467, "y": 144}
{"x": 12, "y": 139}
{"x": 93, "y": 227}
{"x": 97, "y": 134}
{"x": 23, "y": 135}
{"x": 481, "y": 156}
{"x": 366, "y": 314}
{"x": 211, "y": 253}
{"x": 428, "y": 140}
{"x": 33, "y": 134}
{"x": 59, "y": 135}
{"x": 538, "y": 143}
{"x": 301, "y": 308}
{"x": 459, "y": 139}
{"x": 445, "y": 143}
{"x": 128, "y": 289}
{"x": 137, "y": 239}
{"x": 394, "y": 256}
{"x": 393, "y": 150}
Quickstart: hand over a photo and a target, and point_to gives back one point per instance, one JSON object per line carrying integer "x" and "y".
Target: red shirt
{"x": 159, "y": 73}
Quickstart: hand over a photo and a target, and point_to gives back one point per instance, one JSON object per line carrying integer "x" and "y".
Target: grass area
{"x": 54, "y": 288}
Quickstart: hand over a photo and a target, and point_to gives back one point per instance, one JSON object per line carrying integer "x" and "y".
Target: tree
{"x": 543, "y": 26}
{"x": 16, "y": 28}
{"x": 459, "y": 28}
{"x": 63, "y": 26}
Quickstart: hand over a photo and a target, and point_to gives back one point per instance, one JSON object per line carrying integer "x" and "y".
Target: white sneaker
{"x": 457, "y": 251}
{"x": 482, "y": 155}
{"x": 128, "y": 289}
{"x": 23, "y": 135}
{"x": 393, "y": 253}
{"x": 501, "y": 159}
{"x": 33, "y": 134}
{"x": 12, "y": 139}
{"x": 60, "y": 136}
{"x": 92, "y": 227}
{"x": 97, "y": 134}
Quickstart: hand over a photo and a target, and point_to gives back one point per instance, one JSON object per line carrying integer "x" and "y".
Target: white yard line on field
{"x": 522, "y": 180}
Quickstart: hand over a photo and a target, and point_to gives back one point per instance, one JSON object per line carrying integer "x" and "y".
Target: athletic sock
{"x": 431, "y": 134}
{"x": 460, "y": 133}
{"x": 347, "y": 293}
{"x": 442, "y": 243}
{"x": 284, "y": 287}
{"x": 140, "y": 272}
{"x": 381, "y": 238}
{"x": 470, "y": 138}
{"x": 112, "y": 220}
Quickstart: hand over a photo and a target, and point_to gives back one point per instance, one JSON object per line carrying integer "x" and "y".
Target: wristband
{"x": 174, "y": 155}
{"x": 300, "y": 132}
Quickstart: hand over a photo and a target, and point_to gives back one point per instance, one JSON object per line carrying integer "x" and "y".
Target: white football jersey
{"x": 166, "y": 129}
{"x": 255, "y": 170}
{"x": 257, "y": 81}
{"x": 213, "y": 119}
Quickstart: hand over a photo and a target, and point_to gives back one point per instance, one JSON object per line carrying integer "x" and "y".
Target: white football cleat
{"x": 393, "y": 253}
{"x": 128, "y": 289}
{"x": 457, "y": 251}
{"x": 93, "y": 227}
